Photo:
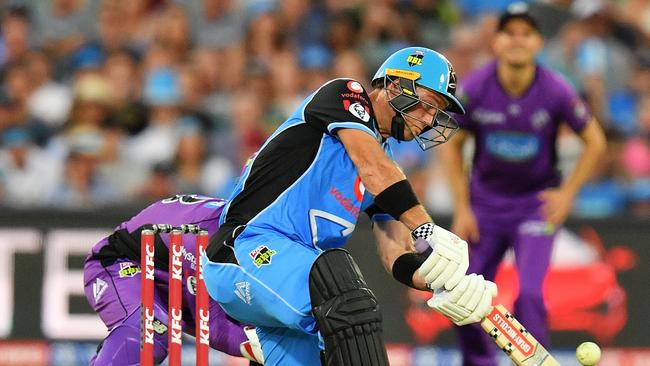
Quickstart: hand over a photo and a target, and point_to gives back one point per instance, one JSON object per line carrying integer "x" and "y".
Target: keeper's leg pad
{"x": 346, "y": 312}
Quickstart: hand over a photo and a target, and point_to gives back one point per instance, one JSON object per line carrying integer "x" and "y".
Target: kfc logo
{"x": 358, "y": 110}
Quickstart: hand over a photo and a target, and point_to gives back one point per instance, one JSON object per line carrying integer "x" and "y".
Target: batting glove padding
{"x": 467, "y": 303}
{"x": 447, "y": 263}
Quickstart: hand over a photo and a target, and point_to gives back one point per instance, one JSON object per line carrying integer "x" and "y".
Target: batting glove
{"x": 449, "y": 259}
{"x": 467, "y": 303}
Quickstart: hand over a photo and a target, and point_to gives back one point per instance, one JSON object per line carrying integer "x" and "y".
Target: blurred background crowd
{"x": 105, "y": 102}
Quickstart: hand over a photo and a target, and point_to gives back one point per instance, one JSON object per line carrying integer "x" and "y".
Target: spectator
{"x": 27, "y": 174}
{"x": 315, "y": 61}
{"x": 16, "y": 36}
{"x": 220, "y": 56}
{"x": 604, "y": 195}
{"x": 50, "y": 101}
{"x": 63, "y": 26}
{"x": 138, "y": 23}
{"x": 82, "y": 185}
{"x": 129, "y": 113}
{"x": 602, "y": 61}
{"x": 215, "y": 82}
{"x": 216, "y": 23}
{"x": 636, "y": 161}
{"x": 19, "y": 87}
{"x": 343, "y": 31}
{"x": 246, "y": 134}
{"x": 350, "y": 64}
{"x": 157, "y": 142}
{"x": 159, "y": 185}
{"x": 287, "y": 83}
{"x": 91, "y": 105}
{"x": 173, "y": 33}
{"x": 195, "y": 171}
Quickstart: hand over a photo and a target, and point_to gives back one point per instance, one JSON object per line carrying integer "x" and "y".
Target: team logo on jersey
{"x": 536, "y": 227}
{"x": 540, "y": 118}
{"x": 359, "y": 189}
{"x": 214, "y": 204}
{"x": 262, "y": 255}
{"x": 346, "y": 202}
{"x": 128, "y": 269}
{"x": 514, "y": 109}
{"x": 358, "y": 96}
{"x": 243, "y": 291}
{"x": 357, "y": 109}
{"x": 99, "y": 287}
{"x": 415, "y": 58}
{"x": 512, "y": 146}
{"x": 191, "y": 284}
{"x": 355, "y": 86}
{"x": 159, "y": 327}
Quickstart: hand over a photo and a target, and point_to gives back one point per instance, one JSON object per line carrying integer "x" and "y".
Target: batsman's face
{"x": 417, "y": 118}
{"x": 518, "y": 43}
{"x": 424, "y": 113}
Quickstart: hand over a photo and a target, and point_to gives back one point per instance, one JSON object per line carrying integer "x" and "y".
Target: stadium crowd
{"x": 117, "y": 101}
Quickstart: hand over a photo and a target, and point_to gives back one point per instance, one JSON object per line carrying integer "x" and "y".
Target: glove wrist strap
{"x": 423, "y": 231}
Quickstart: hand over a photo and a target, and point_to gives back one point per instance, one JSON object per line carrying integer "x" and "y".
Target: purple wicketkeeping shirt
{"x": 515, "y": 153}
{"x": 178, "y": 210}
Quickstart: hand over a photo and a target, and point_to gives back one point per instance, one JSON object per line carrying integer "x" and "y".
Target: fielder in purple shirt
{"x": 515, "y": 197}
{"x": 112, "y": 285}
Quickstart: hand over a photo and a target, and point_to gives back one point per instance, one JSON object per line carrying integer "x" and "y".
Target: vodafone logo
{"x": 359, "y": 189}
{"x": 355, "y": 86}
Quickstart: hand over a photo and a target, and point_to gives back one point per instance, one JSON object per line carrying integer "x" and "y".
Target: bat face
{"x": 515, "y": 340}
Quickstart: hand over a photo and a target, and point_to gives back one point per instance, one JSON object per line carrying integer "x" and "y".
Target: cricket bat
{"x": 515, "y": 340}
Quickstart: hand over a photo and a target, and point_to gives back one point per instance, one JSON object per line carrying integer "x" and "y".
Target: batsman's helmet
{"x": 420, "y": 66}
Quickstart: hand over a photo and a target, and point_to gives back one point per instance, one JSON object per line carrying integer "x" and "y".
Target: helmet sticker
{"x": 355, "y": 87}
{"x": 451, "y": 87}
{"x": 411, "y": 75}
{"x": 415, "y": 58}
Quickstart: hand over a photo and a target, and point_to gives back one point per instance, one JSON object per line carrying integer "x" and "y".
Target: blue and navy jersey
{"x": 302, "y": 184}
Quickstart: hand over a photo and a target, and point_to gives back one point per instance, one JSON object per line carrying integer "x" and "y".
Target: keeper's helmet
{"x": 420, "y": 66}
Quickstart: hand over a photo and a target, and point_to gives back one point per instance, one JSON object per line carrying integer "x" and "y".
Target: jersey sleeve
{"x": 341, "y": 103}
{"x": 376, "y": 214}
{"x": 571, "y": 108}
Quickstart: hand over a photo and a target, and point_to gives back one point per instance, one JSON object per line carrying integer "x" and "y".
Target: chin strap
{"x": 397, "y": 127}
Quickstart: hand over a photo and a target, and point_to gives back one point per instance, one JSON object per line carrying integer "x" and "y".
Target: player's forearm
{"x": 379, "y": 174}
{"x": 595, "y": 145}
{"x": 393, "y": 241}
{"x": 377, "y": 179}
{"x": 376, "y": 170}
